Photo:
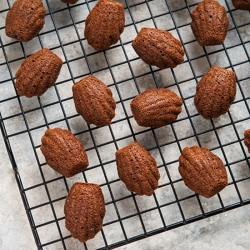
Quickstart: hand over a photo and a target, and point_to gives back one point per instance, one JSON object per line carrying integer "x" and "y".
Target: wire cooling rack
{"x": 128, "y": 217}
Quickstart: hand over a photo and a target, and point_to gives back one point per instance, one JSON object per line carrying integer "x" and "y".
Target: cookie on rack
{"x": 70, "y": 1}
{"x": 209, "y": 23}
{"x": 137, "y": 169}
{"x": 94, "y": 101}
{"x": 156, "y": 107}
{"x": 84, "y": 210}
{"x": 25, "y": 20}
{"x": 247, "y": 139}
{"x": 215, "y": 92}
{"x": 104, "y": 24}
{"x": 158, "y": 48}
{"x": 241, "y": 4}
{"x": 38, "y": 73}
{"x": 202, "y": 171}
{"x": 64, "y": 152}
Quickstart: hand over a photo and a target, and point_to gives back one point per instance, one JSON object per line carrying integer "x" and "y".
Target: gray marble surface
{"x": 126, "y": 76}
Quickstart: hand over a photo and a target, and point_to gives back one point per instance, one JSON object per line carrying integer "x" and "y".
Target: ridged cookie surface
{"x": 137, "y": 169}
{"x": 215, "y": 92}
{"x": 209, "y": 23}
{"x": 25, "y": 20}
{"x": 94, "y": 101}
{"x": 104, "y": 24}
{"x": 38, "y": 73}
{"x": 84, "y": 210}
{"x": 64, "y": 152}
{"x": 156, "y": 107}
{"x": 158, "y": 48}
{"x": 202, "y": 171}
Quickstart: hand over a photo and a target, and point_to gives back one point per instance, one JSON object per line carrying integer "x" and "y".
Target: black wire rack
{"x": 128, "y": 217}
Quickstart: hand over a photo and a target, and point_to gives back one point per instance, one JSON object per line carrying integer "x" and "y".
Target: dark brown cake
{"x": 137, "y": 169}
{"x": 202, "y": 171}
{"x": 94, "y": 101}
{"x": 25, "y": 20}
{"x": 209, "y": 23}
{"x": 64, "y": 152}
{"x": 159, "y": 48}
{"x": 156, "y": 107}
{"x": 247, "y": 139}
{"x": 215, "y": 92}
{"x": 84, "y": 210}
{"x": 38, "y": 73}
{"x": 70, "y": 1}
{"x": 242, "y": 4}
{"x": 104, "y": 24}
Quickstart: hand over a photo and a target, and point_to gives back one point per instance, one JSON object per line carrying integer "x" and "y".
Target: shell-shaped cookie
{"x": 156, "y": 107}
{"x": 94, "y": 101}
{"x": 104, "y": 24}
{"x": 25, "y": 20}
{"x": 64, "y": 152}
{"x": 242, "y": 4}
{"x": 158, "y": 48}
{"x": 202, "y": 171}
{"x": 70, "y": 1}
{"x": 247, "y": 139}
{"x": 38, "y": 73}
{"x": 84, "y": 210}
{"x": 215, "y": 92}
{"x": 209, "y": 23}
{"x": 137, "y": 169}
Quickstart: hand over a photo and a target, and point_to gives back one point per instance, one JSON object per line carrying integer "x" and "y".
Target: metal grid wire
{"x": 128, "y": 217}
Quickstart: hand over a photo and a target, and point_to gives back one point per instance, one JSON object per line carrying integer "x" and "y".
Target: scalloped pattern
{"x": 25, "y": 20}
{"x": 64, "y": 152}
{"x": 215, "y": 92}
{"x": 84, "y": 210}
{"x": 202, "y": 171}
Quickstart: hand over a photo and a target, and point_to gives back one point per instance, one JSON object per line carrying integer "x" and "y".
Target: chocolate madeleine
{"x": 209, "y": 23}
{"x": 64, "y": 152}
{"x": 38, "y": 73}
{"x": 247, "y": 139}
{"x": 202, "y": 171}
{"x": 137, "y": 169}
{"x": 104, "y": 24}
{"x": 25, "y": 20}
{"x": 241, "y": 4}
{"x": 215, "y": 92}
{"x": 84, "y": 210}
{"x": 158, "y": 48}
{"x": 94, "y": 101}
{"x": 156, "y": 107}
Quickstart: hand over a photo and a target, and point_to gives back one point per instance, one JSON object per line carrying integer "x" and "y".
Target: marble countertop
{"x": 126, "y": 75}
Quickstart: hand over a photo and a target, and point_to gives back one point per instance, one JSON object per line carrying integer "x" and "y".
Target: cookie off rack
{"x": 129, "y": 217}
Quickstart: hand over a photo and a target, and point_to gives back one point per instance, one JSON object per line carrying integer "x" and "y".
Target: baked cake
{"x": 94, "y": 101}
{"x": 247, "y": 139}
{"x": 70, "y": 1}
{"x": 156, "y": 107}
{"x": 241, "y": 4}
{"x": 158, "y": 48}
{"x": 215, "y": 92}
{"x": 64, "y": 152}
{"x": 104, "y": 24}
{"x": 38, "y": 73}
{"x": 25, "y": 20}
{"x": 84, "y": 210}
{"x": 209, "y": 23}
{"x": 137, "y": 169}
{"x": 202, "y": 171}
